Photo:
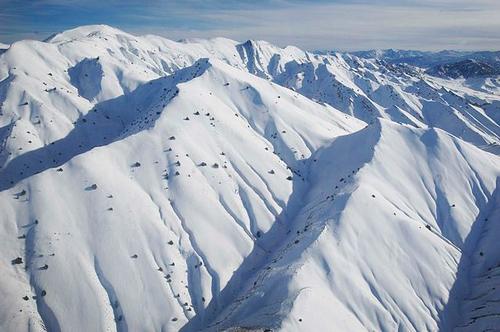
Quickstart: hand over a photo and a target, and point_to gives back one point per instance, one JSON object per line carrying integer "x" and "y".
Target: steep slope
{"x": 377, "y": 242}
{"x": 144, "y": 209}
{"x": 370, "y": 90}
{"x": 480, "y": 307}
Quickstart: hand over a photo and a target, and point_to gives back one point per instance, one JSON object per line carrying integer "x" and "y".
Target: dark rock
{"x": 92, "y": 187}
{"x": 18, "y": 260}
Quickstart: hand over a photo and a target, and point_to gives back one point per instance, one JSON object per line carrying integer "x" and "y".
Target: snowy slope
{"x": 359, "y": 255}
{"x": 214, "y": 148}
{"x": 150, "y": 185}
{"x": 480, "y": 272}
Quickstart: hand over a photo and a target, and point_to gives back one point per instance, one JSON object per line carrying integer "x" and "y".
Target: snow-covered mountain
{"x": 366, "y": 89}
{"x": 448, "y": 64}
{"x": 428, "y": 59}
{"x": 153, "y": 185}
{"x": 465, "y": 69}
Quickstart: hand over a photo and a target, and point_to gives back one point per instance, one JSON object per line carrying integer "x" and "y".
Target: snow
{"x": 365, "y": 88}
{"x": 369, "y": 262}
{"x": 148, "y": 184}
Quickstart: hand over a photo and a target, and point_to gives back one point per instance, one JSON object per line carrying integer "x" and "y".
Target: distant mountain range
{"x": 453, "y": 64}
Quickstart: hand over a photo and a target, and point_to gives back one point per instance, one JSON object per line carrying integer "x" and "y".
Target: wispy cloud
{"x": 340, "y": 24}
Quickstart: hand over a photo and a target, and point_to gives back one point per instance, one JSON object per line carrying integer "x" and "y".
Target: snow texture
{"x": 153, "y": 185}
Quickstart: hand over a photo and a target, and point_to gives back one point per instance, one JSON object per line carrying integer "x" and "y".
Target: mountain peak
{"x": 86, "y": 31}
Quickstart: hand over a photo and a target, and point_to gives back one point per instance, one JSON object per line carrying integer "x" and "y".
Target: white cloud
{"x": 338, "y": 24}
{"x": 430, "y": 25}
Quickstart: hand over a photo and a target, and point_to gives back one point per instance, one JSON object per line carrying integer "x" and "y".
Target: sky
{"x": 309, "y": 24}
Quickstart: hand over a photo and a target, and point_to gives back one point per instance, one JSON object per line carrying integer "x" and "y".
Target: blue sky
{"x": 320, "y": 24}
